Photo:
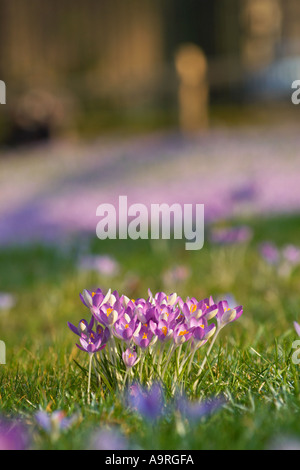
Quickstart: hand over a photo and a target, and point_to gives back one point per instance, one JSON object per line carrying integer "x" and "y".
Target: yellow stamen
{"x": 164, "y": 330}
{"x": 109, "y": 310}
{"x": 183, "y": 333}
{"x": 127, "y": 326}
{"x": 144, "y": 336}
{"x": 193, "y": 308}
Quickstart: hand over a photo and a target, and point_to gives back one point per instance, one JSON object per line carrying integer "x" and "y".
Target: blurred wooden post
{"x": 193, "y": 92}
{"x": 262, "y": 24}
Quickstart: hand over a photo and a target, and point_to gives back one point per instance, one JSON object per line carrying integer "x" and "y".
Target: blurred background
{"x": 145, "y": 97}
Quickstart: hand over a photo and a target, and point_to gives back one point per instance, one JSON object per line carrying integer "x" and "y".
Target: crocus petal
{"x": 87, "y": 297}
{"x": 106, "y": 298}
{"x": 73, "y": 328}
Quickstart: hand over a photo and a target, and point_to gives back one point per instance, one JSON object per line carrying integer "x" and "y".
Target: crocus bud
{"x": 129, "y": 358}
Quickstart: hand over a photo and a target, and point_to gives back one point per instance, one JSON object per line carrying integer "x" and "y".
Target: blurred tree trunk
{"x": 3, "y": 32}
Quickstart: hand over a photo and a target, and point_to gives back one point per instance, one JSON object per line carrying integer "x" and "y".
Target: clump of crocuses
{"x": 148, "y": 338}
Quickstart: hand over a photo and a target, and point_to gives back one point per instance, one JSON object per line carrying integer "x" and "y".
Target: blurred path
{"x": 50, "y": 191}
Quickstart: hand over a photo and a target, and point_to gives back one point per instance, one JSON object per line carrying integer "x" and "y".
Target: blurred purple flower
{"x": 230, "y": 235}
{"x": 291, "y": 254}
{"x": 55, "y": 422}
{"x": 244, "y": 193}
{"x": 13, "y": 435}
{"x": 108, "y": 439}
{"x": 283, "y": 258}
{"x": 103, "y": 264}
{"x": 7, "y": 301}
{"x": 269, "y": 252}
{"x": 195, "y": 410}
{"x": 175, "y": 275}
{"x": 149, "y": 403}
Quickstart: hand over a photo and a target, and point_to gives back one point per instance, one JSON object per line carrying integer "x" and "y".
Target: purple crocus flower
{"x": 125, "y": 327}
{"x": 92, "y": 343}
{"x": 130, "y": 358}
{"x": 208, "y": 307}
{"x": 103, "y": 332}
{"x": 147, "y": 402}
{"x": 166, "y": 313}
{"x": 162, "y": 298}
{"x": 201, "y": 333}
{"x": 142, "y": 337}
{"x": 162, "y": 330}
{"x": 192, "y": 308}
{"x": 108, "y": 314}
{"x": 144, "y": 311}
{"x": 84, "y": 328}
{"x": 94, "y": 300}
{"x": 226, "y": 314}
{"x": 181, "y": 334}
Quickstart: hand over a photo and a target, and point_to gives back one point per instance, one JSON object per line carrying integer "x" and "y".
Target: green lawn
{"x": 250, "y": 363}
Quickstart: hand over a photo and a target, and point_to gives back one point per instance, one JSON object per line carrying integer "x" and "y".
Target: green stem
{"x": 125, "y": 377}
{"x": 162, "y": 348}
{"x": 142, "y": 362}
{"x": 205, "y": 358}
{"x": 89, "y": 378}
{"x": 192, "y": 354}
{"x": 169, "y": 354}
{"x": 178, "y": 356}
